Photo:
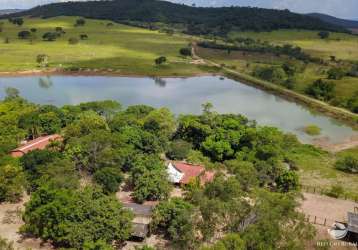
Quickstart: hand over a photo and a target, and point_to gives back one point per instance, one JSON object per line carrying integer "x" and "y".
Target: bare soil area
{"x": 10, "y": 223}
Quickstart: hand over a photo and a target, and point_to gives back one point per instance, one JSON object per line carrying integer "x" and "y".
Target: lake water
{"x": 181, "y": 95}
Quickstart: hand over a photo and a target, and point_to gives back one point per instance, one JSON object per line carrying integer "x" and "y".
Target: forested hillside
{"x": 195, "y": 20}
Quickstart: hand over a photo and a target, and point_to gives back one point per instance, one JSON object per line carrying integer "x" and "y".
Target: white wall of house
{"x": 174, "y": 174}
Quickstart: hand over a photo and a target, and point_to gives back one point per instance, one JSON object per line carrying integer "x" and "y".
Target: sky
{"x": 338, "y": 8}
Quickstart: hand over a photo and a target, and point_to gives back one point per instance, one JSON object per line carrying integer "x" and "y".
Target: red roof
{"x": 191, "y": 171}
{"x": 39, "y": 143}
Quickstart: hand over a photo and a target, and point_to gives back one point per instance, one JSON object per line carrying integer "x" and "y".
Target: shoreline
{"x": 90, "y": 72}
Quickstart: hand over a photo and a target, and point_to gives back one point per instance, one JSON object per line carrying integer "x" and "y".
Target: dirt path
{"x": 326, "y": 207}
{"x": 10, "y": 223}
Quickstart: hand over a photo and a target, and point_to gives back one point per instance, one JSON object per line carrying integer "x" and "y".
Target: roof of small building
{"x": 191, "y": 171}
{"x": 138, "y": 209}
{"x": 353, "y": 222}
{"x": 39, "y": 143}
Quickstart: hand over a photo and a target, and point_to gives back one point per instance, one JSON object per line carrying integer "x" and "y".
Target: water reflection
{"x": 160, "y": 82}
{"x": 45, "y": 82}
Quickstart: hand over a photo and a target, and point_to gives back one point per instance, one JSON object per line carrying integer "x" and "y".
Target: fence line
{"x": 322, "y": 221}
{"x": 322, "y": 191}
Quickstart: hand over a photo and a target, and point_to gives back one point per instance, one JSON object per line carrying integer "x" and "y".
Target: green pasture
{"x": 125, "y": 49}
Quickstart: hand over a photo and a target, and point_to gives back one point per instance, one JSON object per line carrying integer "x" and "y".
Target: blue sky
{"x": 339, "y": 8}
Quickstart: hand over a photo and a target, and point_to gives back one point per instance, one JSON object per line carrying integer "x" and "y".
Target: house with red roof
{"x": 39, "y": 143}
{"x": 183, "y": 173}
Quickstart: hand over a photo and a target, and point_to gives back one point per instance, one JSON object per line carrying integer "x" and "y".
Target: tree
{"x": 323, "y": 34}
{"x": 12, "y": 182}
{"x": 42, "y": 60}
{"x": 151, "y": 185}
{"x": 231, "y": 241}
{"x": 160, "y": 60}
{"x": 336, "y": 73}
{"x": 287, "y": 181}
{"x": 321, "y": 90}
{"x": 24, "y": 34}
{"x": 177, "y": 218}
{"x": 109, "y": 178}
{"x": 84, "y": 37}
{"x": 80, "y": 22}
{"x": 49, "y": 36}
{"x": 72, "y": 218}
{"x": 33, "y": 30}
{"x": 185, "y": 51}
{"x": 179, "y": 149}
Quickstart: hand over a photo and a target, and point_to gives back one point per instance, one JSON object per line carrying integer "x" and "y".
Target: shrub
{"x": 42, "y": 60}
{"x": 179, "y": 150}
{"x": 73, "y": 40}
{"x": 80, "y": 22}
{"x": 348, "y": 163}
{"x": 160, "y": 60}
{"x": 33, "y": 30}
{"x": 109, "y": 178}
{"x": 321, "y": 90}
{"x": 336, "y": 191}
{"x": 271, "y": 74}
{"x": 336, "y": 73}
{"x": 83, "y": 36}
{"x": 50, "y": 36}
{"x": 24, "y": 34}
{"x": 185, "y": 51}
{"x": 323, "y": 34}
{"x": 312, "y": 130}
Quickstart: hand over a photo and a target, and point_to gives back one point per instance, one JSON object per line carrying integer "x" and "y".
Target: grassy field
{"x": 316, "y": 169}
{"x": 342, "y": 46}
{"x": 127, "y": 49}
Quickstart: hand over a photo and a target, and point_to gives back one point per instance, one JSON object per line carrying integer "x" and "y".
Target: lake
{"x": 181, "y": 95}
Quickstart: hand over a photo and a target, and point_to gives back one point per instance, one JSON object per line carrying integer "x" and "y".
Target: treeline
{"x": 254, "y": 191}
{"x": 198, "y": 21}
{"x": 251, "y": 45}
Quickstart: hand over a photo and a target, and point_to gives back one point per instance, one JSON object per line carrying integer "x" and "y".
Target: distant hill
{"x": 197, "y": 20}
{"x": 9, "y": 11}
{"x": 351, "y": 24}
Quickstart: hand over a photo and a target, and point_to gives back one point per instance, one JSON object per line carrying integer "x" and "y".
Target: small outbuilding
{"x": 39, "y": 143}
{"x": 353, "y": 222}
{"x": 142, "y": 219}
{"x": 183, "y": 173}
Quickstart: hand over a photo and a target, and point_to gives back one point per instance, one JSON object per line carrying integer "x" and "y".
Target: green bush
{"x": 348, "y": 163}
{"x": 185, "y": 51}
{"x": 335, "y": 191}
{"x": 179, "y": 149}
{"x": 271, "y": 74}
{"x": 336, "y": 73}
{"x": 321, "y": 90}
{"x": 73, "y": 41}
{"x": 109, "y": 178}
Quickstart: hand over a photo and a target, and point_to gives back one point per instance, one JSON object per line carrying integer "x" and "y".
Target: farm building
{"x": 39, "y": 143}
{"x": 353, "y": 222}
{"x": 142, "y": 219}
{"x": 183, "y": 173}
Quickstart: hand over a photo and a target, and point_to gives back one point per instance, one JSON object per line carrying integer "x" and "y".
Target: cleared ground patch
{"x": 122, "y": 48}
